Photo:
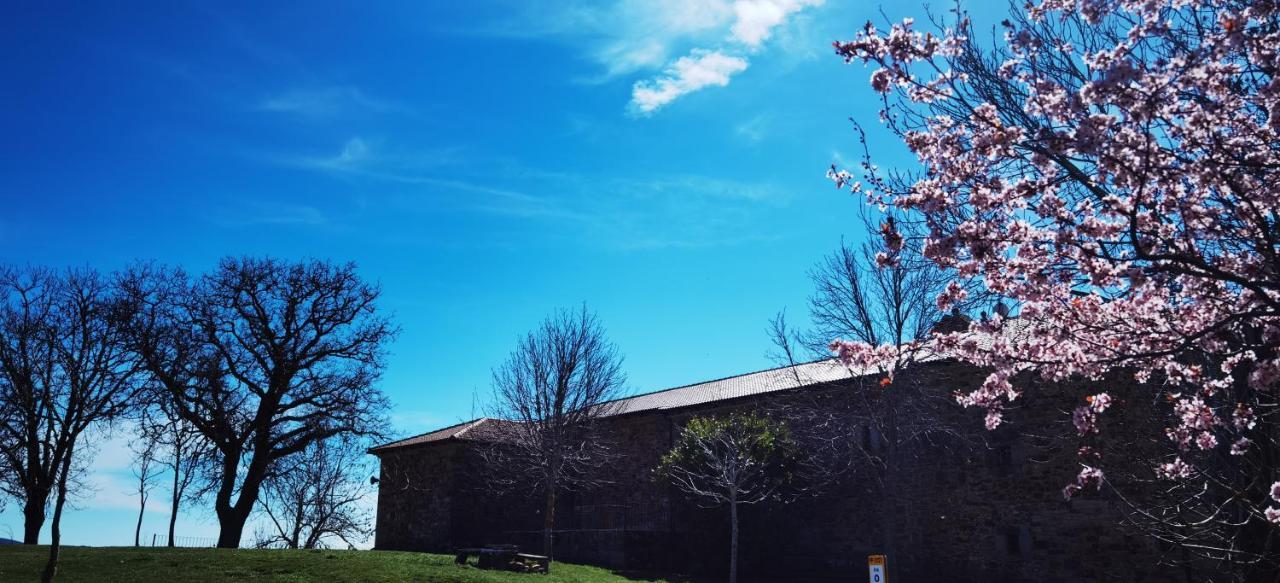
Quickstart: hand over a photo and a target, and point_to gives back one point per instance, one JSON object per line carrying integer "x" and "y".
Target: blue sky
{"x": 662, "y": 161}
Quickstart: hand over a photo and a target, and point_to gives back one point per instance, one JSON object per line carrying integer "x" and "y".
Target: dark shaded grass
{"x": 165, "y": 565}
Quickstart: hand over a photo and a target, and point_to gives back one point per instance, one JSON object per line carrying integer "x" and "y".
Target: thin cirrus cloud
{"x": 327, "y": 102}
{"x": 642, "y": 212}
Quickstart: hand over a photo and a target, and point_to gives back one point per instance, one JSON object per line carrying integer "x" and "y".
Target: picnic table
{"x": 505, "y": 557}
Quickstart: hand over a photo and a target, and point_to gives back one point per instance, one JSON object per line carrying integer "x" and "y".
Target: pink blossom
{"x": 1130, "y": 214}
{"x": 1243, "y": 418}
{"x": 1099, "y": 402}
{"x": 881, "y": 79}
{"x": 993, "y": 419}
{"x": 1088, "y": 477}
{"x": 1174, "y": 469}
{"x": 1085, "y": 420}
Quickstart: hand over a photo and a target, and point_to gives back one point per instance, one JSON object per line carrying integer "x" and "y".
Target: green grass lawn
{"x": 163, "y": 565}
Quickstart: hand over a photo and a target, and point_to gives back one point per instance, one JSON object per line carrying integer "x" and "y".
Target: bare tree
{"x": 263, "y": 358}
{"x": 183, "y": 453}
{"x": 316, "y": 496}
{"x": 554, "y": 387}
{"x": 882, "y": 293}
{"x": 145, "y": 471}
{"x": 66, "y": 369}
{"x": 730, "y": 461}
{"x": 28, "y": 362}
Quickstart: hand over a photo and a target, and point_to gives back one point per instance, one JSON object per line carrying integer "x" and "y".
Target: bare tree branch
{"x": 558, "y": 382}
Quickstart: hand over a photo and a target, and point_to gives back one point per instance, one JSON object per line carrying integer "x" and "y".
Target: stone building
{"x": 990, "y": 511}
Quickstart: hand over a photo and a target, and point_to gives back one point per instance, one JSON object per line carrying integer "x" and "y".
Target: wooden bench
{"x": 505, "y": 557}
{"x": 534, "y": 563}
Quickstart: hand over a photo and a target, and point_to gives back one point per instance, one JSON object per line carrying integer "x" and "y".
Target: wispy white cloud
{"x": 107, "y": 487}
{"x": 689, "y": 44}
{"x": 755, "y": 20}
{"x": 354, "y": 153}
{"x": 752, "y": 130}
{"x": 659, "y": 211}
{"x": 615, "y": 210}
{"x": 248, "y": 213}
{"x": 371, "y": 160}
{"x": 360, "y": 154}
{"x": 688, "y": 74}
{"x": 107, "y": 480}
{"x": 621, "y": 36}
{"x": 327, "y": 102}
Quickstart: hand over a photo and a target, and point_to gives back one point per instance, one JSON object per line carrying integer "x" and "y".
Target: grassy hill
{"x": 163, "y": 565}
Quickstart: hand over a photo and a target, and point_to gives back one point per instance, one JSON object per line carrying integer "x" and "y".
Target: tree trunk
{"x": 33, "y": 517}
{"x": 177, "y": 492}
{"x": 299, "y": 511}
{"x": 733, "y": 541}
{"x": 891, "y": 491}
{"x": 888, "y": 521}
{"x": 231, "y": 527}
{"x": 55, "y": 539}
{"x": 549, "y": 522}
{"x": 173, "y": 505}
{"x": 231, "y": 517}
{"x": 137, "y": 531}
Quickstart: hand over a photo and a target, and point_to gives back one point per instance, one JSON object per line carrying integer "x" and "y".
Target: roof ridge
{"x": 425, "y": 433}
{"x": 459, "y": 430}
{"x": 474, "y": 423}
{"x": 709, "y": 381}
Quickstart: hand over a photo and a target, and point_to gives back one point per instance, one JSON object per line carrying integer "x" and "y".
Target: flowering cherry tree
{"x": 1113, "y": 167}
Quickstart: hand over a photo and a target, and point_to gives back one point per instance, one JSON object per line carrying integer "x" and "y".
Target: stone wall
{"x": 986, "y": 512}
{"x": 416, "y": 491}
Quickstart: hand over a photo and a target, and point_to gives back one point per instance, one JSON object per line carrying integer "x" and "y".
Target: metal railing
{"x": 160, "y": 540}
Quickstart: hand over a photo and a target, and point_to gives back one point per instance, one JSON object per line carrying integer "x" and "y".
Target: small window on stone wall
{"x": 1017, "y": 540}
{"x": 871, "y": 439}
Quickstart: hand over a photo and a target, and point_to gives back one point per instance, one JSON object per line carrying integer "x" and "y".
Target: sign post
{"x": 876, "y": 563}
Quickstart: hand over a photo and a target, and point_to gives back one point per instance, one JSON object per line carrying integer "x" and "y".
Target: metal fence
{"x": 160, "y": 540}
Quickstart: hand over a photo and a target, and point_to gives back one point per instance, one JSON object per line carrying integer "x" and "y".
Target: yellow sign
{"x": 879, "y": 572}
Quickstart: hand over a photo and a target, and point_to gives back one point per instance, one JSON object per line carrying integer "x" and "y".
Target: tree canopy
{"x": 1114, "y": 169}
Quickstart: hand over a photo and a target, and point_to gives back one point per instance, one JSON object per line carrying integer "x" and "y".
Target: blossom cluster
{"x": 1129, "y": 210}
{"x": 1272, "y": 513}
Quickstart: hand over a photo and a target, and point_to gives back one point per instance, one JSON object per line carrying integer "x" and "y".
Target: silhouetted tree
{"x": 145, "y": 471}
{"x": 264, "y": 358}
{"x": 28, "y": 364}
{"x": 64, "y": 368}
{"x": 554, "y": 387}
{"x": 879, "y": 294}
{"x": 184, "y": 453}
{"x": 316, "y": 496}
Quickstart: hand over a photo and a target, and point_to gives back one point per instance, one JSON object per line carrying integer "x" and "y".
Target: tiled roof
{"x": 755, "y": 383}
{"x": 765, "y": 381}
{"x": 438, "y": 435}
